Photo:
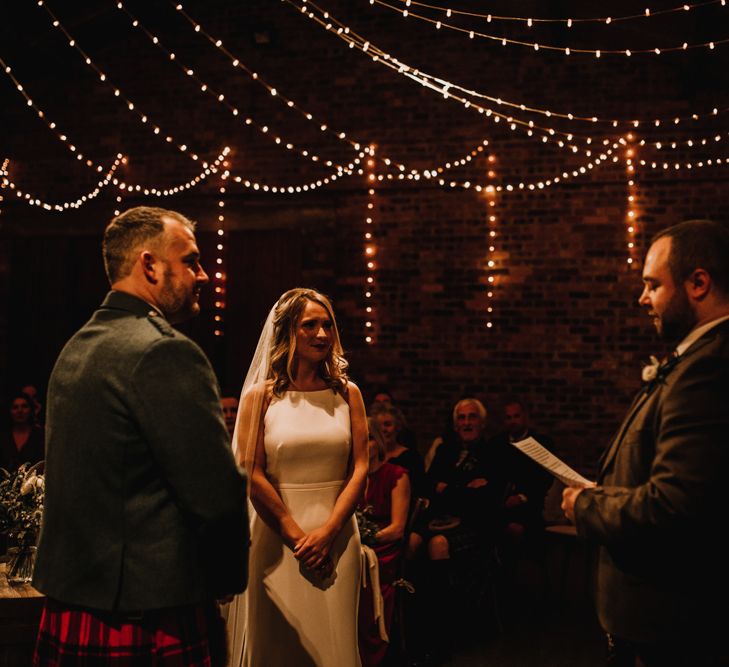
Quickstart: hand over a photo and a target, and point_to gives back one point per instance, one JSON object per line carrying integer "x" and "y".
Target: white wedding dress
{"x": 288, "y": 618}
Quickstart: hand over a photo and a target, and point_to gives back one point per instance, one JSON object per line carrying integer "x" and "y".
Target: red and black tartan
{"x": 191, "y": 636}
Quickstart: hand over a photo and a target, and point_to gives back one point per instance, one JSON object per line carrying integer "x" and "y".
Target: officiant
{"x": 660, "y": 505}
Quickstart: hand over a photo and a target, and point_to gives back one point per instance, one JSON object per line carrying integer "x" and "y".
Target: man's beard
{"x": 677, "y": 319}
{"x": 177, "y": 304}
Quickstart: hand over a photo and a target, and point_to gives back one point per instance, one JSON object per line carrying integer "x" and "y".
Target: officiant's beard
{"x": 677, "y": 319}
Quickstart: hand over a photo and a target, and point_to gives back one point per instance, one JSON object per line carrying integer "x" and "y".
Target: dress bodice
{"x": 307, "y": 438}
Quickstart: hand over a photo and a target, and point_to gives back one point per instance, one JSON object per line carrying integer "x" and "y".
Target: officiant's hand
{"x": 569, "y": 498}
{"x": 313, "y": 549}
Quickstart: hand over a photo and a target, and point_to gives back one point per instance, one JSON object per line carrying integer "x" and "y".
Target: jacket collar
{"x": 116, "y": 300}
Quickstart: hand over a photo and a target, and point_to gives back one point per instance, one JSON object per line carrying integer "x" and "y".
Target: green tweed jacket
{"x": 145, "y": 506}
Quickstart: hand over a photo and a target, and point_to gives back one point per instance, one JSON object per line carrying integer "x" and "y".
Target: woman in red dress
{"x": 386, "y": 502}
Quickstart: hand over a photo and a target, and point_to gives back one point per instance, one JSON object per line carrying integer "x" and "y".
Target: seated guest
{"x": 23, "y": 441}
{"x": 528, "y": 481}
{"x": 390, "y": 421}
{"x": 386, "y": 502}
{"x": 406, "y": 435}
{"x": 468, "y": 489}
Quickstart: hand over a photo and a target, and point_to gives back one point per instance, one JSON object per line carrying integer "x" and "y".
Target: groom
{"x": 145, "y": 522}
{"x": 660, "y": 508}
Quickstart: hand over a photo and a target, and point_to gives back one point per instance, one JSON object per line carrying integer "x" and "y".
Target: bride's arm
{"x": 265, "y": 498}
{"x": 313, "y": 548}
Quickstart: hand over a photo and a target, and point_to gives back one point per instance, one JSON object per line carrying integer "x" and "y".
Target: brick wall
{"x": 567, "y": 334}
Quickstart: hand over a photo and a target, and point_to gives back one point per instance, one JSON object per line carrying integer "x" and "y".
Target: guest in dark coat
{"x": 527, "y": 481}
{"x": 145, "y": 522}
{"x": 659, "y": 509}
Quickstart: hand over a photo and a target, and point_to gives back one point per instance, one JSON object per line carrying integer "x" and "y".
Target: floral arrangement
{"x": 21, "y": 503}
{"x": 367, "y": 528}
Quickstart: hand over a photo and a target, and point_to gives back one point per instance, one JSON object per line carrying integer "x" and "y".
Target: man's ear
{"x": 150, "y": 266}
{"x": 698, "y": 284}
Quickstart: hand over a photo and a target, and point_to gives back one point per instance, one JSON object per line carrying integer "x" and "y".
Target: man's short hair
{"x": 699, "y": 244}
{"x": 126, "y": 232}
{"x": 480, "y": 407}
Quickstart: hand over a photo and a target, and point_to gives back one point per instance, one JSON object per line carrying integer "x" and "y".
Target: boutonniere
{"x": 650, "y": 370}
{"x": 656, "y": 371}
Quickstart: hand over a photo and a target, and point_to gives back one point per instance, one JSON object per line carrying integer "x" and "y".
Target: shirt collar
{"x": 694, "y": 335}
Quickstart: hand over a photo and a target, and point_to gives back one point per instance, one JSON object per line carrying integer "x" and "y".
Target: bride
{"x": 302, "y": 435}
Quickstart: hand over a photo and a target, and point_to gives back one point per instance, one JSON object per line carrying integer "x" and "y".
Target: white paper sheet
{"x": 551, "y": 463}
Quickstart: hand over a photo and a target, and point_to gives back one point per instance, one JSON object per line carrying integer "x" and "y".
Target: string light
{"x": 672, "y": 144}
{"x": 52, "y": 126}
{"x": 274, "y": 91}
{"x": 220, "y": 97}
{"x": 63, "y": 138}
{"x": 526, "y": 185}
{"x": 491, "y": 240}
{"x": 220, "y": 274}
{"x": 631, "y": 215}
{"x": 3, "y": 173}
{"x": 569, "y": 22}
{"x": 680, "y": 166}
{"x": 213, "y": 168}
{"x": 237, "y": 63}
{"x": 370, "y": 250}
{"x": 258, "y": 186}
{"x": 384, "y": 59}
{"x": 33, "y": 200}
{"x": 446, "y": 88}
{"x": 597, "y": 53}
{"x": 130, "y": 106}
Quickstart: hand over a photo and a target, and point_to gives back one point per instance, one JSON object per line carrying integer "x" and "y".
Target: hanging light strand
{"x": 569, "y": 22}
{"x": 53, "y": 127}
{"x": 276, "y": 92}
{"x": 221, "y": 98}
{"x": 63, "y": 138}
{"x": 370, "y": 250}
{"x": 631, "y": 216}
{"x": 3, "y": 174}
{"x": 131, "y": 106}
{"x": 258, "y": 186}
{"x": 196, "y": 180}
{"x": 536, "y": 46}
{"x": 491, "y": 240}
{"x": 237, "y": 63}
{"x": 33, "y": 200}
{"x": 446, "y": 88}
{"x": 220, "y": 275}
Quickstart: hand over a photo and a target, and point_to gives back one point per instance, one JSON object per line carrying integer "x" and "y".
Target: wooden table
{"x": 20, "y": 611}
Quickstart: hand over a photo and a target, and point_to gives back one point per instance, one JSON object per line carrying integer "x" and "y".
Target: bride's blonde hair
{"x": 288, "y": 311}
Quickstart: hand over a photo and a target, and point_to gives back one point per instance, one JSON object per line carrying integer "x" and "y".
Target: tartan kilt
{"x": 191, "y": 636}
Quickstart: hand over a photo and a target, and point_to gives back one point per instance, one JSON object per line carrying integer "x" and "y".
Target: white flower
{"x": 650, "y": 370}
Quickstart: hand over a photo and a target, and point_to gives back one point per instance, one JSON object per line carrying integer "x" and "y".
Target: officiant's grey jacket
{"x": 661, "y": 510}
{"x": 145, "y": 507}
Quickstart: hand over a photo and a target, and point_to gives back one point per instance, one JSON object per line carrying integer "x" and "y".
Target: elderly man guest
{"x": 145, "y": 522}
{"x": 660, "y": 504}
{"x": 466, "y": 478}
